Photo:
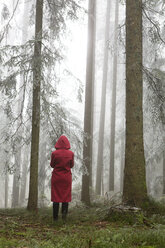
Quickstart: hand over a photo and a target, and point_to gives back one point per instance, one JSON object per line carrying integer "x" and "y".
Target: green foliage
{"x": 153, "y": 207}
{"x": 17, "y": 63}
{"x": 4, "y": 243}
{"x": 127, "y": 217}
{"x": 84, "y": 228}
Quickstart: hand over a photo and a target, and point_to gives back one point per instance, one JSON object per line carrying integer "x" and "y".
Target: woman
{"x": 62, "y": 160}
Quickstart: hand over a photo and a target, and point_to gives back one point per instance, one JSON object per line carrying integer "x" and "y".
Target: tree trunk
{"x": 103, "y": 102}
{"x": 113, "y": 108}
{"x": 93, "y": 94}
{"x": 7, "y": 157}
{"x": 33, "y": 185}
{"x": 20, "y": 105}
{"x": 87, "y": 145}
{"x": 134, "y": 192}
{"x": 24, "y": 169}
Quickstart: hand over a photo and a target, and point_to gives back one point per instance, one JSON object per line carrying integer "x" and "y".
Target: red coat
{"x": 62, "y": 160}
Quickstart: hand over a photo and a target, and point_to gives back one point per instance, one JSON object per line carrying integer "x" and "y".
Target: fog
{"x": 63, "y": 86}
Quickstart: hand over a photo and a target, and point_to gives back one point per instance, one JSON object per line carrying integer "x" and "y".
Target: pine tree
{"x": 99, "y": 172}
{"x": 87, "y": 146}
{"x": 134, "y": 192}
{"x": 33, "y": 185}
{"x": 113, "y": 106}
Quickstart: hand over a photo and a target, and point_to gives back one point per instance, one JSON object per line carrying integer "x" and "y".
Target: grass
{"x": 84, "y": 228}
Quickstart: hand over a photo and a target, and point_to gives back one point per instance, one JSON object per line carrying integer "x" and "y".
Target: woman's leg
{"x": 64, "y": 210}
{"x": 55, "y": 210}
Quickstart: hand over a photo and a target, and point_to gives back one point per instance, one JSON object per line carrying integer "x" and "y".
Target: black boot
{"x": 64, "y": 210}
{"x": 55, "y": 210}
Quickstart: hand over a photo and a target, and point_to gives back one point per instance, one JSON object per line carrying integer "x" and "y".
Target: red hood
{"x": 62, "y": 143}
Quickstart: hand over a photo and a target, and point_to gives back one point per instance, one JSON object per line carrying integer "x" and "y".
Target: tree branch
{"x": 7, "y": 25}
{"x": 154, "y": 24}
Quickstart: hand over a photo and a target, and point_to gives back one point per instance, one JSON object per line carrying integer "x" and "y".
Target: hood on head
{"x": 62, "y": 143}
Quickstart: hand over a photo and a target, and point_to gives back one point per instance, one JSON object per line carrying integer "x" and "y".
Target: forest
{"x": 93, "y": 71}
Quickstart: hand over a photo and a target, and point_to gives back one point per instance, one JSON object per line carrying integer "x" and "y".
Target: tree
{"x": 103, "y": 103}
{"x": 113, "y": 106}
{"x": 5, "y": 15}
{"x": 87, "y": 145}
{"x": 21, "y": 60}
{"x": 24, "y": 149}
{"x": 134, "y": 191}
{"x": 33, "y": 185}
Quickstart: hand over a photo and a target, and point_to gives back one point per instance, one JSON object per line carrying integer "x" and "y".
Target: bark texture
{"x": 33, "y": 185}
{"x": 87, "y": 146}
{"x": 134, "y": 192}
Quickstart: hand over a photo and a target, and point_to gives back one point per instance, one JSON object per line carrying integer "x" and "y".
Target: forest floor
{"x": 85, "y": 228}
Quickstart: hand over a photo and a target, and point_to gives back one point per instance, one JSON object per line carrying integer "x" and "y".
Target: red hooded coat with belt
{"x": 62, "y": 160}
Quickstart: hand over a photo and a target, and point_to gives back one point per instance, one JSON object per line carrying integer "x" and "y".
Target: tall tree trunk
{"x": 24, "y": 169}
{"x": 163, "y": 172}
{"x": 93, "y": 94}
{"x": 20, "y": 105}
{"x": 7, "y": 157}
{"x": 103, "y": 102}
{"x": 134, "y": 192}
{"x": 87, "y": 145}
{"x": 33, "y": 185}
{"x": 113, "y": 107}
{"x": 92, "y": 100}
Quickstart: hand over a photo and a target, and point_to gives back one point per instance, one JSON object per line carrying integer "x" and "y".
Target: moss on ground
{"x": 85, "y": 227}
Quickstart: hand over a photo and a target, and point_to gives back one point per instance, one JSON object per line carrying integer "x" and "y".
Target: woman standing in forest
{"x": 62, "y": 160}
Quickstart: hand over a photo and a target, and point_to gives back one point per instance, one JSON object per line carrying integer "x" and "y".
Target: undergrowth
{"x": 85, "y": 227}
